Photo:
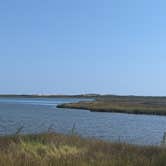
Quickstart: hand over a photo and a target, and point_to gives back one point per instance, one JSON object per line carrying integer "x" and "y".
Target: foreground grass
{"x": 60, "y": 150}
{"x": 123, "y": 104}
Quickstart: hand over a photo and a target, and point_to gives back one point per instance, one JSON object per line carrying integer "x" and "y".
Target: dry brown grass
{"x": 60, "y": 150}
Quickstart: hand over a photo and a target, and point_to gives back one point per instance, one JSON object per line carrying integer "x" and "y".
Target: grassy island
{"x": 123, "y": 104}
{"x": 59, "y": 150}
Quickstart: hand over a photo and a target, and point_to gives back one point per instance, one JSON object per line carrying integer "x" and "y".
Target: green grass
{"x": 60, "y": 150}
{"x": 123, "y": 104}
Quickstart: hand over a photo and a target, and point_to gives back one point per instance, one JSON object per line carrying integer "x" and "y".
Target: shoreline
{"x": 122, "y": 104}
{"x": 135, "y": 112}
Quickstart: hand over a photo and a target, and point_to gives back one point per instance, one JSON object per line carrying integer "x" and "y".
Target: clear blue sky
{"x": 83, "y": 46}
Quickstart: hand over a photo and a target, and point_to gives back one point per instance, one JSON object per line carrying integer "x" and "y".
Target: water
{"x": 39, "y": 114}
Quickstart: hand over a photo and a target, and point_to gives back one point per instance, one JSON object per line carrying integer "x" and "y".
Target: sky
{"x": 83, "y": 46}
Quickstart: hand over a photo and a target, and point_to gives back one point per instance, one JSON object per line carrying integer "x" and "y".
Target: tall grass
{"x": 59, "y": 150}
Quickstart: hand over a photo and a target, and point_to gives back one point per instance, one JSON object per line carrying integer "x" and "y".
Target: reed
{"x": 50, "y": 149}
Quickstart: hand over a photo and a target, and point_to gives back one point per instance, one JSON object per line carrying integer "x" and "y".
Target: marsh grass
{"x": 123, "y": 104}
{"x": 51, "y": 149}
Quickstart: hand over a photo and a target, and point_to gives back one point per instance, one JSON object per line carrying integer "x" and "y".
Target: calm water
{"x": 37, "y": 115}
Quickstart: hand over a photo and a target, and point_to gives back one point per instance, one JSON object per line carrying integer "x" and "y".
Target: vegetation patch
{"x": 123, "y": 104}
{"x": 60, "y": 150}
